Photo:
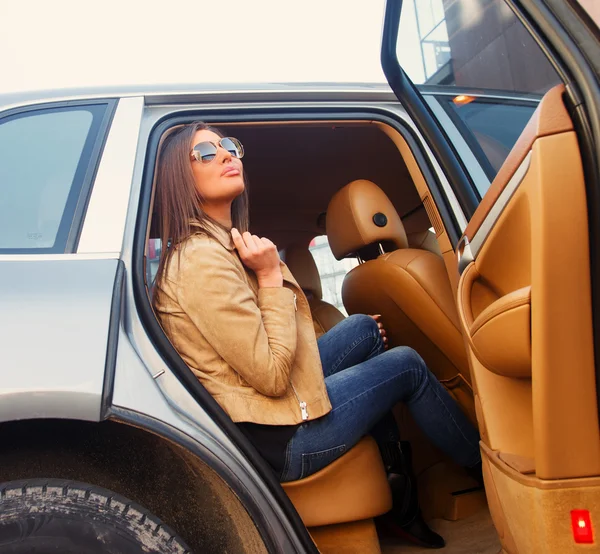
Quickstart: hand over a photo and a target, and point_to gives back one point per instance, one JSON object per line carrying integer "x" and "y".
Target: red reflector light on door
{"x": 582, "y": 526}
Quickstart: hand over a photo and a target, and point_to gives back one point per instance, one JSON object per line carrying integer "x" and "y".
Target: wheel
{"x": 44, "y": 516}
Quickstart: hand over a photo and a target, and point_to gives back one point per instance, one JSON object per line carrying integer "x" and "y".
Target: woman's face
{"x": 222, "y": 179}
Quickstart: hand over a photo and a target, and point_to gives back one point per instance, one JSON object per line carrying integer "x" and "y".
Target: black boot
{"x": 405, "y": 518}
{"x": 476, "y": 473}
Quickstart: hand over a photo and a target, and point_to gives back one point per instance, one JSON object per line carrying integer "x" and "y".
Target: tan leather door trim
{"x": 535, "y": 324}
{"x": 512, "y": 300}
{"x": 551, "y": 117}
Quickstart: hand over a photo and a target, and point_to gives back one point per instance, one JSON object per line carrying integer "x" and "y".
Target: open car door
{"x": 527, "y": 261}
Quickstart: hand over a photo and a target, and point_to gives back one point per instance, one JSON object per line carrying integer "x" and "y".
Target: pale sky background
{"x": 64, "y": 43}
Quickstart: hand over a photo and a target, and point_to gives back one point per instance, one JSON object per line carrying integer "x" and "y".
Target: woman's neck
{"x": 221, "y": 213}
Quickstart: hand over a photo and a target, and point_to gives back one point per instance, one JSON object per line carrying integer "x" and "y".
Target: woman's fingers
{"x": 258, "y": 254}
{"x": 377, "y": 318}
{"x": 258, "y": 244}
{"x": 239, "y": 243}
{"x": 250, "y": 244}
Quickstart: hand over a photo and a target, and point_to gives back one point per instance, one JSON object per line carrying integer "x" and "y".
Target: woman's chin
{"x": 229, "y": 188}
{"x": 237, "y": 185}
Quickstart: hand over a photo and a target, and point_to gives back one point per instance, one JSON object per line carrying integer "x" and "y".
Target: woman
{"x": 241, "y": 323}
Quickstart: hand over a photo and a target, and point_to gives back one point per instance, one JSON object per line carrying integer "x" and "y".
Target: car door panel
{"x": 508, "y": 317}
{"x": 550, "y": 118}
{"x": 524, "y": 300}
{"x": 55, "y": 320}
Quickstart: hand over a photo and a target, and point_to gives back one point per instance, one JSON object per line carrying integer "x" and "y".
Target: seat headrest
{"x": 304, "y": 269}
{"x": 359, "y": 215}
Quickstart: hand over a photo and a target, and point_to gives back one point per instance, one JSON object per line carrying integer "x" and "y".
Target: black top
{"x": 270, "y": 441}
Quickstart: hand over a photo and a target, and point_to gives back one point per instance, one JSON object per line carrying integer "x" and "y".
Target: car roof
{"x": 188, "y": 91}
{"x": 239, "y": 92}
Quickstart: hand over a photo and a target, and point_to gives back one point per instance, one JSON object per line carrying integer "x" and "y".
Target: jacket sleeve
{"x": 256, "y": 340}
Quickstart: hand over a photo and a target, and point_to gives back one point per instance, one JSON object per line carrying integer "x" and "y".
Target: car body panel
{"x": 163, "y": 398}
{"x": 55, "y": 320}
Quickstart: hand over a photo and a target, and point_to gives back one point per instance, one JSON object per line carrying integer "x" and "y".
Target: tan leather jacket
{"x": 253, "y": 349}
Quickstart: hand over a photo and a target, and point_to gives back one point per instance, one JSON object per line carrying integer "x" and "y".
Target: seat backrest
{"x": 409, "y": 287}
{"x": 304, "y": 269}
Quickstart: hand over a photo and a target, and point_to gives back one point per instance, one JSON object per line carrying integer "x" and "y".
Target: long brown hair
{"x": 178, "y": 202}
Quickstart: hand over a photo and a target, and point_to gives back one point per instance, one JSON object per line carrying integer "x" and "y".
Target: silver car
{"x": 109, "y": 443}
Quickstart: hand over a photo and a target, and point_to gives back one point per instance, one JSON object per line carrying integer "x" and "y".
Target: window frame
{"x": 153, "y": 128}
{"x": 421, "y": 113}
{"x": 69, "y": 230}
{"x": 467, "y": 134}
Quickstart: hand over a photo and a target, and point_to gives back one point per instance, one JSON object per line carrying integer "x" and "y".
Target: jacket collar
{"x": 219, "y": 233}
{"x": 224, "y": 238}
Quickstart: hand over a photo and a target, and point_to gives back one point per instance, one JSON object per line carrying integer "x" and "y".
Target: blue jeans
{"x": 364, "y": 382}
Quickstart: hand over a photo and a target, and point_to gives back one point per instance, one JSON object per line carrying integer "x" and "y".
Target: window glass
{"x": 491, "y": 127}
{"x": 331, "y": 271}
{"x": 153, "y": 254}
{"x": 478, "y": 52}
{"x": 44, "y": 156}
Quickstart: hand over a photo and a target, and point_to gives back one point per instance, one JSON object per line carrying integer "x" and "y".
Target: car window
{"x": 483, "y": 67}
{"x": 153, "y": 253}
{"x": 331, "y": 271}
{"x": 490, "y": 126}
{"x": 44, "y": 158}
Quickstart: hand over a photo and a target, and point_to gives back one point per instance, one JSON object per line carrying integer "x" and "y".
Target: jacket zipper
{"x": 303, "y": 406}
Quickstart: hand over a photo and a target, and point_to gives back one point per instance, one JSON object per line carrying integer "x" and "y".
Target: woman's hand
{"x": 261, "y": 256}
{"x": 382, "y": 332}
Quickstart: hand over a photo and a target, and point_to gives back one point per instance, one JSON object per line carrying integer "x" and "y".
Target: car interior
{"x": 361, "y": 184}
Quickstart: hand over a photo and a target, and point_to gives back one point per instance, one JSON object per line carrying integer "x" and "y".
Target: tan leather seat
{"x": 350, "y": 491}
{"x": 408, "y": 287}
{"x": 304, "y": 269}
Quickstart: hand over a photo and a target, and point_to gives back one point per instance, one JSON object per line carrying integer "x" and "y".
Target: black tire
{"x": 53, "y": 516}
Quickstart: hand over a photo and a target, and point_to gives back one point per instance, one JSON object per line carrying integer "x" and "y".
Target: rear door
{"x": 56, "y": 302}
{"x": 526, "y": 262}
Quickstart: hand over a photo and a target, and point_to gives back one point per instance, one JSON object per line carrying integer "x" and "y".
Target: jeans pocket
{"x": 314, "y": 461}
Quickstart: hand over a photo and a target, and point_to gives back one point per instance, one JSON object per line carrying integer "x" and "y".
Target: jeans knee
{"x": 411, "y": 358}
{"x": 365, "y": 326}
{"x": 365, "y": 322}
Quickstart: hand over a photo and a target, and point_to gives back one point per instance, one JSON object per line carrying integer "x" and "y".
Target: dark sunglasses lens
{"x": 206, "y": 150}
{"x": 233, "y": 146}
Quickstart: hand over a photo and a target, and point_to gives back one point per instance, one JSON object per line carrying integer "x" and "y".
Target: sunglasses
{"x": 206, "y": 151}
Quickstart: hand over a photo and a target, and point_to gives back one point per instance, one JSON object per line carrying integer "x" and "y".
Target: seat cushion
{"x": 352, "y": 488}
